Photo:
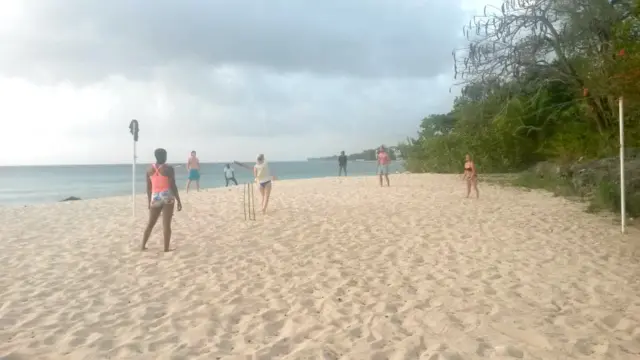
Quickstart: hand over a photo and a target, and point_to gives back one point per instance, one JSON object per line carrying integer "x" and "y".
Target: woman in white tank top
{"x": 263, "y": 178}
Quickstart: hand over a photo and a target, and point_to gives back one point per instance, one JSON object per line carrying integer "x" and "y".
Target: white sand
{"x": 339, "y": 269}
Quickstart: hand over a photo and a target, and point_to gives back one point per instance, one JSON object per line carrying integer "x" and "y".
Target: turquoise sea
{"x": 24, "y": 185}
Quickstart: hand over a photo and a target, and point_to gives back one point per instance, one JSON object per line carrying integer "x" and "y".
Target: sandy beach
{"x": 339, "y": 269}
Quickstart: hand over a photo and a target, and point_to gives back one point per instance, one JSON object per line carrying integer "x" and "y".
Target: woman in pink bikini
{"x": 162, "y": 194}
{"x": 471, "y": 175}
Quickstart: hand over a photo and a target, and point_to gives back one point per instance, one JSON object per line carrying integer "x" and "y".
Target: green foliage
{"x": 607, "y": 197}
{"x": 518, "y": 107}
{"x": 437, "y": 124}
{"x": 558, "y": 186}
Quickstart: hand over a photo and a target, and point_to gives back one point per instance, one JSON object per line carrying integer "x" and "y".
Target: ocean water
{"x": 25, "y": 185}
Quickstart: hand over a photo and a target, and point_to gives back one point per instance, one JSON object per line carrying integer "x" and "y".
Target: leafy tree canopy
{"x": 540, "y": 80}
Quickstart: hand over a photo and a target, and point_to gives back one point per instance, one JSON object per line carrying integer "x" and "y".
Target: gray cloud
{"x": 250, "y": 75}
{"x": 262, "y": 104}
{"x": 87, "y": 39}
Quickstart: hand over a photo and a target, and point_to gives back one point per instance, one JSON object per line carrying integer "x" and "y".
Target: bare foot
{"x": 169, "y": 250}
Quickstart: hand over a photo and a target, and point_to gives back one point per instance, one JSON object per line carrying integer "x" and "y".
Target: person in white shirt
{"x": 229, "y": 175}
{"x": 264, "y": 179}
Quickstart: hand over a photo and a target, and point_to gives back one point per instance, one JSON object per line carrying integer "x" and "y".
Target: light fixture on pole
{"x": 134, "y": 129}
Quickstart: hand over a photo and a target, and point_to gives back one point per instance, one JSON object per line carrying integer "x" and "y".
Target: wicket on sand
{"x": 248, "y": 201}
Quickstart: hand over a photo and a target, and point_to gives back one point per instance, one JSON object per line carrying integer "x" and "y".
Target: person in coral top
{"x": 162, "y": 195}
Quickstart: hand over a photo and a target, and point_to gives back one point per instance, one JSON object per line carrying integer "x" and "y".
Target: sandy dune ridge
{"x": 340, "y": 269}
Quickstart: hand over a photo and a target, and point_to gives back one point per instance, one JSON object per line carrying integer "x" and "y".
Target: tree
{"x": 437, "y": 124}
{"x": 559, "y": 37}
{"x": 540, "y": 80}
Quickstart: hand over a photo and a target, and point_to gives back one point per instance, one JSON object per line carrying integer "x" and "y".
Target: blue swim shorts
{"x": 194, "y": 174}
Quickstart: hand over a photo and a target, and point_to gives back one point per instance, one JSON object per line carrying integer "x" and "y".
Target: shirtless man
{"x": 193, "y": 169}
{"x": 383, "y": 164}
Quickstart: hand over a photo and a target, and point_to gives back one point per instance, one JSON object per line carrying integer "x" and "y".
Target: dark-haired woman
{"x": 162, "y": 194}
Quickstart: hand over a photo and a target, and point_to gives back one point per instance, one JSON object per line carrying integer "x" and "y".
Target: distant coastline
{"x": 365, "y": 155}
{"x": 24, "y": 186}
{"x": 332, "y": 159}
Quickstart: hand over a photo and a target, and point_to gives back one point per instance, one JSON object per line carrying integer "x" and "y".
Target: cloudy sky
{"x": 230, "y": 79}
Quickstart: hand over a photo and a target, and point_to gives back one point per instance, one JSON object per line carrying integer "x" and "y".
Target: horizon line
{"x": 142, "y": 163}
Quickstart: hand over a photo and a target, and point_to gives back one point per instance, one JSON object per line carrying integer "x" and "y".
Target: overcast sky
{"x": 230, "y": 79}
